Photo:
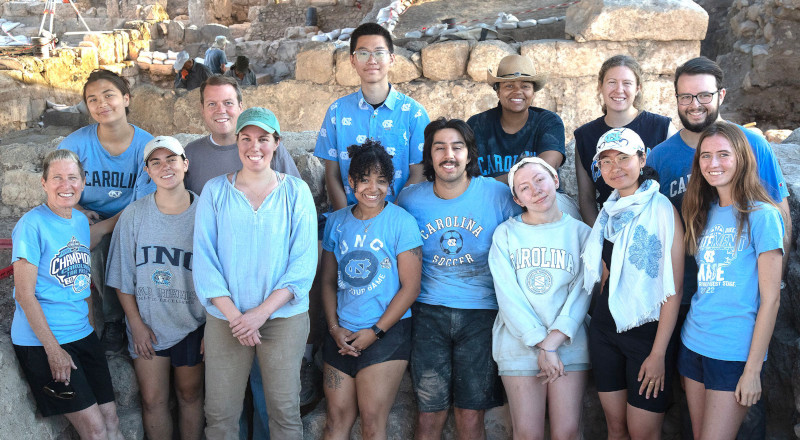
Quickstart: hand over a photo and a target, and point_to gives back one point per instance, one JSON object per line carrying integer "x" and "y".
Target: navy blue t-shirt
{"x": 652, "y": 128}
{"x": 498, "y": 150}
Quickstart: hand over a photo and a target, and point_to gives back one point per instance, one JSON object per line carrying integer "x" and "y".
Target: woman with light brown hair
{"x": 735, "y": 232}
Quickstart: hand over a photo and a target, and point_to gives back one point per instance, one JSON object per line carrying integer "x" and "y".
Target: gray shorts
{"x": 451, "y": 358}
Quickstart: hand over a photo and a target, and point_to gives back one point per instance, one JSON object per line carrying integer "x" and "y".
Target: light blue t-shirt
{"x": 456, "y": 236}
{"x": 247, "y": 254}
{"x": 112, "y": 182}
{"x": 214, "y": 59}
{"x": 672, "y": 159}
{"x": 367, "y": 252}
{"x": 399, "y": 124}
{"x": 58, "y": 247}
{"x": 722, "y": 317}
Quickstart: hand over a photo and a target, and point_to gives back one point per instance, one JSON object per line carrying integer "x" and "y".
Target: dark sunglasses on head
{"x": 58, "y": 390}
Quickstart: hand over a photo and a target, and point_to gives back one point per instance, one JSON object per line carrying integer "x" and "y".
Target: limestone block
{"x": 22, "y": 188}
{"x": 152, "y": 111}
{"x": 192, "y": 35}
{"x": 20, "y": 420}
{"x": 311, "y": 170}
{"x": 346, "y": 74}
{"x": 197, "y": 12}
{"x": 568, "y": 58}
{"x": 404, "y": 69}
{"x": 210, "y": 32}
{"x": 793, "y": 138}
{"x": 628, "y": 20}
{"x": 487, "y": 55}
{"x": 175, "y": 31}
{"x": 315, "y": 63}
{"x": 163, "y": 29}
{"x": 162, "y": 69}
{"x": 445, "y": 61}
{"x": 777, "y": 136}
{"x": 16, "y": 9}
{"x": 121, "y": 40}
{"x": 239, "y": 30}
{"x": 155, "y": 12}
{"x": 105, "y": 44}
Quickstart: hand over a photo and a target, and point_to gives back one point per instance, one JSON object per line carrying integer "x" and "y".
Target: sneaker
{"x": 113, "y": 337}
{"x": 309, "y": 378}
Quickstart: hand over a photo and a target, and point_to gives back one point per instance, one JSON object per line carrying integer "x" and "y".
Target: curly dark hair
{"x": 368, "y": 157}
{"x": 473, "y": 169}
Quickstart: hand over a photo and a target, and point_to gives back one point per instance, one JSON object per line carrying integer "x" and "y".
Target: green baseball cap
{"x": 260, "y": 117}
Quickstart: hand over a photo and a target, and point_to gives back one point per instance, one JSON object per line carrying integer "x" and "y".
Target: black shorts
{"x": 616, "y": 360}
{"x": 185, "y": 353}
{"x": 394, "y": 346}
{"x": 91, "y": 381}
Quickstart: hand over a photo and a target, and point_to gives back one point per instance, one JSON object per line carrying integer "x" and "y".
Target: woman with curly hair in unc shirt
{"x": 735, "y": 232}
{"x": 539, "y": 336}
{"x": 636, "y": 247}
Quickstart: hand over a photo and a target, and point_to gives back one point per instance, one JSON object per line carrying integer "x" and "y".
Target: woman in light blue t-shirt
{"x": 51, "y": 332}
{"x": 735, "y": 232}
{"x": 372, "y": 265}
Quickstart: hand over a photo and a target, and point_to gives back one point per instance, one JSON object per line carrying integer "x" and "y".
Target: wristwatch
{"x": 378, "y": 332}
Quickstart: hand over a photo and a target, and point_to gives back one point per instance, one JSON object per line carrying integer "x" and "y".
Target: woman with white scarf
{"x": 636, "y": 247}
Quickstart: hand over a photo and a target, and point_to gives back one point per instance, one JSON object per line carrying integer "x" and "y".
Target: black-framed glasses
{"x": 702, "y": 97}
{"x": 59, "y": 390}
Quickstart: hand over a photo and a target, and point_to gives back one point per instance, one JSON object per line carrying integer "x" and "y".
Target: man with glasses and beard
{"x": 699, "y": 93}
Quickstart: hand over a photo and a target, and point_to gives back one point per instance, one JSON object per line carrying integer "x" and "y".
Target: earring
{"x": 641, "y": 172}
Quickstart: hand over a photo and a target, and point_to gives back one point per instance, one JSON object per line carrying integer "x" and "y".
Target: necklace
{"x": 364, "y": 221}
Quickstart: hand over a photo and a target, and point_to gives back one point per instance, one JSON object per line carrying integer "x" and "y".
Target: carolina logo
{"x": 451, "y": 242}
{"x": 115, "y": 194}
{"x": 361, "y": 138}
{"x": 162, "y": 277}
{"x": 387, "y": 124}
{"x": 539, "y": 281}
{"x": 391, "y": 151}
{"x": 386, "y": 263}
{"x": 347, "y": 121}
{"x": 358, "y": 268}
{"x": 71, "y": 266}
{"x": 323, "y": 132}
{"x": 406, "y": 107}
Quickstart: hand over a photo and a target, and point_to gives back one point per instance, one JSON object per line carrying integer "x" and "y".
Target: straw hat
{"x": 516, "y": 68}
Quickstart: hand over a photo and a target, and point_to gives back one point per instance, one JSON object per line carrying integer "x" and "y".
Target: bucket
{"x": 311, "y": 16}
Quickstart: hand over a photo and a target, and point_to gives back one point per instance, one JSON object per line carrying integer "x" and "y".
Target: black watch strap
{"x": 378, "y": 332}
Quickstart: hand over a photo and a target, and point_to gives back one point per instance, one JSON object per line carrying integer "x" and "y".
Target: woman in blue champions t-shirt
{"x": 735, "y": 232}
{"x": 51, "y": 332}
{"x": 372, "y": 265}
{"x": 620, "y": 85}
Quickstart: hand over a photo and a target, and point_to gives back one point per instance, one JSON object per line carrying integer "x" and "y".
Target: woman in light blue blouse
{"x": 255, "y": 256}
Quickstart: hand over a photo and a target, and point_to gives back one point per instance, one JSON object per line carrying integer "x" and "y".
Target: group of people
{"x": 450, "y": 246}
{"x": 191, "y": 75}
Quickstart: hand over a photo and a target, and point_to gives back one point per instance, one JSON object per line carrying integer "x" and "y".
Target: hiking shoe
{"x": 309, "y": 379}
{"x": 113, "y": 337}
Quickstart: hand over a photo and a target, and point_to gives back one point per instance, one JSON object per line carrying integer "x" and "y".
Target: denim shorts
{"x": 715, "y": 374}
{"x": 185, "y": 353}
{"x": 451, "y": 358}
{"x": 91, "y": 381}
{"x": 395, "y": 345}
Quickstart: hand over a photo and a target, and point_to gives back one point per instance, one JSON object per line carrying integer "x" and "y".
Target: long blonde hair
{"x": 746, "y": 188}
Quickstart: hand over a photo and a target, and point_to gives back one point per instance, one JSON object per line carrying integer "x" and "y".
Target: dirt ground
{"x": 424, "y": 13}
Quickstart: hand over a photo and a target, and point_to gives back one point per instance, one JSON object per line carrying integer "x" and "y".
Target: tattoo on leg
{"x": 333, "y": 379}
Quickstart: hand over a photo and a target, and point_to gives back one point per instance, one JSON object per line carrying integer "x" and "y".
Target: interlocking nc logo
{"x": 358, "y": 268}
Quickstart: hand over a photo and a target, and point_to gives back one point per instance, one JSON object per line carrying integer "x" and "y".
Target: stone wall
{"x": 764, "y": 50}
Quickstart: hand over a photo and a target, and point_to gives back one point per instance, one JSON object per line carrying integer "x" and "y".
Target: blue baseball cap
{"x": 260, "y": 117}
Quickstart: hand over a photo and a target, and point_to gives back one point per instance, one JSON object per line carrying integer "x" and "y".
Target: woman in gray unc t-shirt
{"x": 150, "y": 265}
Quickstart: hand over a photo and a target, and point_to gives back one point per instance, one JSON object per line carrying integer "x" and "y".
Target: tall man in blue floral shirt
{"x": 376, "y": 111}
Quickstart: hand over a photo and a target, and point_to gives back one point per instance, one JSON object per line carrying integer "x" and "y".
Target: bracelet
{"x": 550, "y": 351}
{"x": 330, "y": 329}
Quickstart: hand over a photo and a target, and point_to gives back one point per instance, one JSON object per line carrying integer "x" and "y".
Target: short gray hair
{"x": 57, "y": 155}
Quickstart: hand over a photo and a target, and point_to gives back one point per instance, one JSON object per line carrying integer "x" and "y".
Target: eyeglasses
{"x": 379, "y": 55}
{"x": 66, "y": 393}
{"x": 621, "y": 160}
{"x": 702, "y": 97}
